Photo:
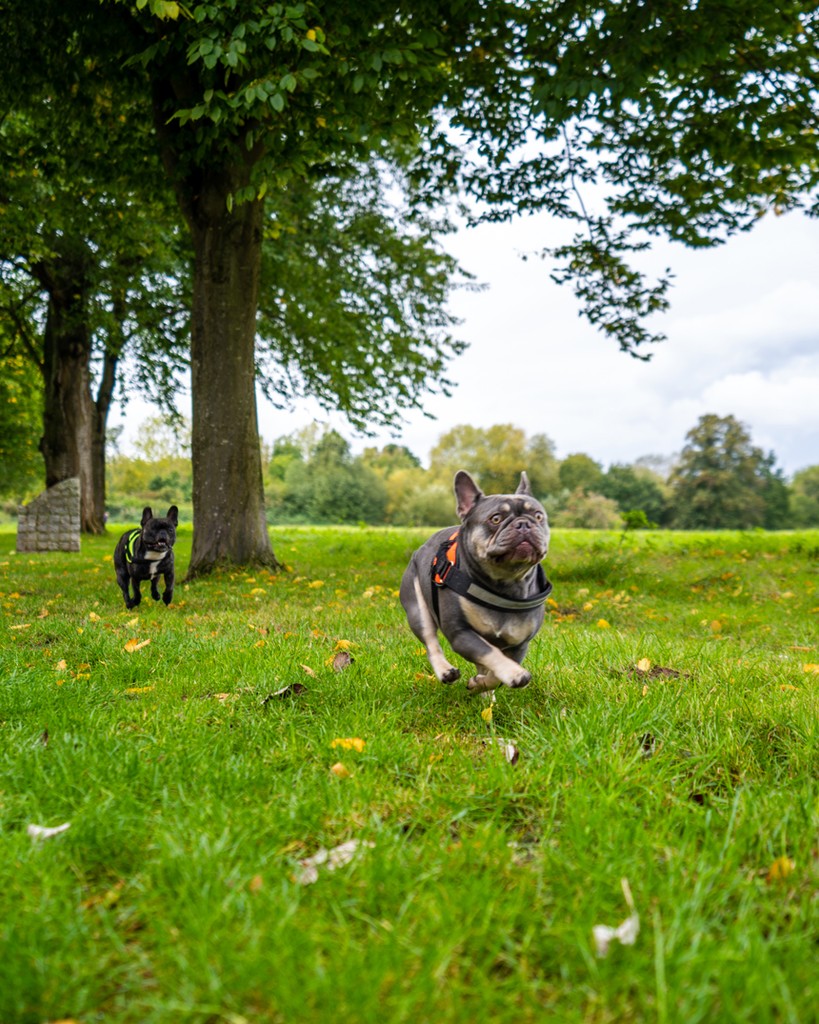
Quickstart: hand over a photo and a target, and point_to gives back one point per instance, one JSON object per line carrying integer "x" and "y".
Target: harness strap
{"x": 446, "y": 573}
{"x": 131, "y": 543}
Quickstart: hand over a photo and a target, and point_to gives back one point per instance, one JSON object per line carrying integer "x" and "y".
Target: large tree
{"x": 723, "y": 481}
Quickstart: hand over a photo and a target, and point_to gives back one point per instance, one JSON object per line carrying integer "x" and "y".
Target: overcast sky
{"x": 743, "y": 339}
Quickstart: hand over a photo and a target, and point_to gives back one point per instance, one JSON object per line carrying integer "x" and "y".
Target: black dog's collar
{"x": 446, "y": 572}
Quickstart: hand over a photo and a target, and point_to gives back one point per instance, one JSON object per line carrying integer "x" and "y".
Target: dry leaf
{"x": 340, "y": 770}
{"x": 349, "y": 743}
{"x": 135, "y": 645}
{"x": 643, "y": 665}
{"x": 329, "y": 860}
{"x": 93, "y": 617}
{"x": 61, "y": 665}
{"x": 293, "y": 689}
{"x": 24, "y": 625}
{"x": 256, "y": 883}
{"x": 341, "y": 659}
{"x": 602, "y": 624}
{"x": 625, "y": 933}
{"x": 139, "y": 689}
{"x": 486, "y": 714}
{"x": 308, "y": 670}
{"x": 811, "y": 668}
{"x": 510, "y": 751}
{"x": 42, "y": 832}
{"x": 780, "y": 869}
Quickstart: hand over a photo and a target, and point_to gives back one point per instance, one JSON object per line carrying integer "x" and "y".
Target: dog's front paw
{"x": 522, "y": 679}
{"x": 154, "y": 593}
{"x": 132, "y": 602}
{"x": 167, "y": 597}
{"x": 451, "y": 675}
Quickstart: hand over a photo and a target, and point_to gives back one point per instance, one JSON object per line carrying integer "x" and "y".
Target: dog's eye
{"x": 539, "y": 516}
{"x": 496, "y": 518}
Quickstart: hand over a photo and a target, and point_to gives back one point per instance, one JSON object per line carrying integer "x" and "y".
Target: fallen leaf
{"x": 787, "y": 686}
{"x": 811, "y": 668}
{"x": 643, "y": 665}
{"x": 602, "y": 624}
{"x": 340, "y": 660}
{"x": 780, "y": 869}
{"x": 93, "y": 617}
{"x": 135, "y": 645}
{"x": 486, "y": 714}
{"x": 308, "y": 670}
{"x": 42, "y": 832}
{"x": 24, "y": 625}
{"x": 625, "y": 933}
{"x": 510, "y": 751}
{"x": 256, "y": 883}
{"x": 349, "y": 743}
{"x": 340, "y": 770}
{"x": 292, "y": 690}
{"x": 43, "y": 613}
{"x": 61, "y": 665}
{"x": 329, "y": 860}
{"x": 139, "y": 689}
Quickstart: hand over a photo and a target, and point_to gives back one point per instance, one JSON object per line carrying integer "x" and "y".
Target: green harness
{"x": 131, "y": 543}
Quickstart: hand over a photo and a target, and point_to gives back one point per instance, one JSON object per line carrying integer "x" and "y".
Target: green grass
{"x": 192, "y": 794}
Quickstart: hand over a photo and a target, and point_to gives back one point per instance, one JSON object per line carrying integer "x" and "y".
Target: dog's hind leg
{"x": 423, "y": 626}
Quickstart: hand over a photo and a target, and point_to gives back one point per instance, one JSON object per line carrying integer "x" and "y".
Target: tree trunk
{"x": 68, "y": 414}
{"x": 228, "y": 494}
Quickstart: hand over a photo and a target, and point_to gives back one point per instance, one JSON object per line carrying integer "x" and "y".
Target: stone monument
{"x": 51, "y": 522}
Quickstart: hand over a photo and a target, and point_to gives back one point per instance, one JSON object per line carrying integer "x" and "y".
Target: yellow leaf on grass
{"x": 602, "y": 624}
{"x": 308, "y": 670}
{"x": 716, "y": 626}
{"x": 340, "y": 770}
{"x": 811, "y": 668}
{"x": 780, "y": 869}
{"x": 343, "y": 645}
{"x": 643, "y": 665}
{"x": 134, "y": 645}
{"x": 61, "y": 665}
{"x": 256, "y": 883}
{"x": 93, "y": 617}
{"x": 787, "y": 686}
{"x": 486, "y": 714}
{"x": 316, "y": 584}
{"x": 349, "y": 743}
{"x": 139, "y": 689}
{"x": 258, "y": 590}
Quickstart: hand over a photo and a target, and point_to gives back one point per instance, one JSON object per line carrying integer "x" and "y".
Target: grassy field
{"x": 669, "y": 738}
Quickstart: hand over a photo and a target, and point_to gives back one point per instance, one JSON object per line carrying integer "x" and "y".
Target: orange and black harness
{"x": 447, "y": 573}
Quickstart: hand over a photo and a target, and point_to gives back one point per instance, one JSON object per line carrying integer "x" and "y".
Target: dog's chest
{"x": 155, "y": 560}
{"x": 505, "y": 629}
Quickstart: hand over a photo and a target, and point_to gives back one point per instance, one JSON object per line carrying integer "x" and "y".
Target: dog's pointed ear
{"x": 523, "y": 486}
{"x": 146, "y": 514}
{"x": 173, "y": 515}
{"x": 467, "y": 492}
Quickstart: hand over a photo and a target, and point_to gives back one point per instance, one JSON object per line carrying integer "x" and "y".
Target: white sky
{"x": 742, "y": 339}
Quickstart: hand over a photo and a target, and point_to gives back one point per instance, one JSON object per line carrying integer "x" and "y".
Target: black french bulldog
{"x": 146, "y": 553}
{"x": 481, "y": 585}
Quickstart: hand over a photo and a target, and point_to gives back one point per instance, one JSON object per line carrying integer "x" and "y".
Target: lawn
{"x": 205, "y": 753}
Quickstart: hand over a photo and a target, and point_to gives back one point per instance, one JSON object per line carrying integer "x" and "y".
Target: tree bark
{"x": 69, "y": 413}
{"x": 228, "y": 493}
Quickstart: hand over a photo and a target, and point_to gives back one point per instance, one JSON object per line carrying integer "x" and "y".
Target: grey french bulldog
{"x": 146, "y": 553}
{"x": 481, "y": 585}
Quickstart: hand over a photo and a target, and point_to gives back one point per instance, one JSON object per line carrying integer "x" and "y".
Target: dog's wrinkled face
{"x": 507, "y": 533}
{"x": 159, "y": 534}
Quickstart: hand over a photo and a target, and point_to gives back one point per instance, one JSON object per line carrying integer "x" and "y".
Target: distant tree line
{"x": 719, "y": 480}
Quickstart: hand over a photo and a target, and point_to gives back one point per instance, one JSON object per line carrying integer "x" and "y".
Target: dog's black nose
{"x": 523, "y": 524}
